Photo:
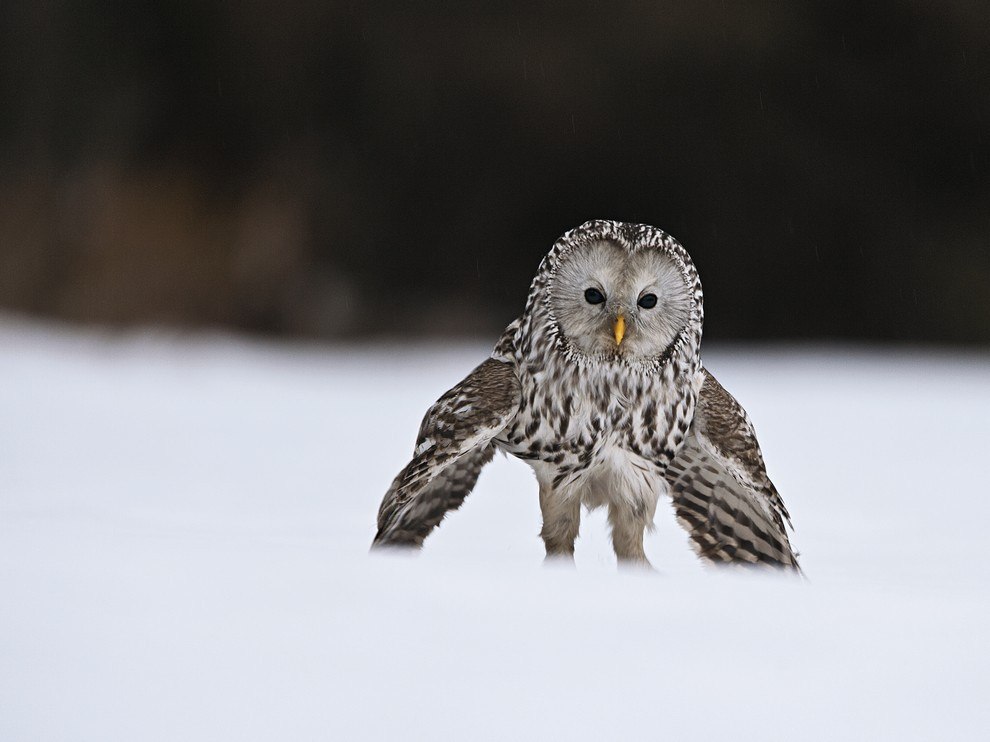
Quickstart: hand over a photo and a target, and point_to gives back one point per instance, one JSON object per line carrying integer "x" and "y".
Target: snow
{"x": 184, "y": 531}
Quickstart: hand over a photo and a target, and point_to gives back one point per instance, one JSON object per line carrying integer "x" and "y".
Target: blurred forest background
{"x": 361, "y": 169}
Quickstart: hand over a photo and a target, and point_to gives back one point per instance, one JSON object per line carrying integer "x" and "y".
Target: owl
{"x": 600, "y": 388}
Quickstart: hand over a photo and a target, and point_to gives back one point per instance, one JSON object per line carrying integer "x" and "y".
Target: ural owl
{"x": 599, "y": 386}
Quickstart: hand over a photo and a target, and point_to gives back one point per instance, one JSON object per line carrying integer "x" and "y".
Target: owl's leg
{"x": 629, "y": 521}
{"x": 561, "y": 522}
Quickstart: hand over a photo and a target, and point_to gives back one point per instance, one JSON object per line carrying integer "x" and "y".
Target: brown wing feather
{"x": 722, "y": 494}
{"x": 452, "y": 447}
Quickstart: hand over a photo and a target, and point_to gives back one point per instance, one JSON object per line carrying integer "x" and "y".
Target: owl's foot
{"x": 638, "y": 564}
{"x": 561, "y": 558}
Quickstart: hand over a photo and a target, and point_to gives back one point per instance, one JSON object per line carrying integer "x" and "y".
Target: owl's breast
{"x": 572, "y": 420}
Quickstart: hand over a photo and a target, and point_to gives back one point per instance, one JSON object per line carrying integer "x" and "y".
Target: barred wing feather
{"x": 721, "y": 492}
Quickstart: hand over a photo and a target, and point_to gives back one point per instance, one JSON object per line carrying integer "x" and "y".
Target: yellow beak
{"x": 620, "y": 329}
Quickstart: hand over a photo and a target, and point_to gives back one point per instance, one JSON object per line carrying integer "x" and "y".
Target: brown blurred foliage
{"x": 351, "y": 169}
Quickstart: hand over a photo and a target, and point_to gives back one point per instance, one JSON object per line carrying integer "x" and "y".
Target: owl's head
{"x": 617, "y": 290}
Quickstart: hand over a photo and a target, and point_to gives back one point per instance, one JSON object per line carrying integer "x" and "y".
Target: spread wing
{"x": 453, "y": 445}
{"x": 722, "y": 494}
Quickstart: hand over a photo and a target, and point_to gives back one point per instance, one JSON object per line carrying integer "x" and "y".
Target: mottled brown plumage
{"x": 599, "y": 386}
{"x": 446, "y": 465}
{"x": 721, "y": 492}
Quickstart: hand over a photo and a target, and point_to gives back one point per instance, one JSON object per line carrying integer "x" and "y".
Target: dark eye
{"x": 648, "y": 301}
{"x": 594, "y": 296}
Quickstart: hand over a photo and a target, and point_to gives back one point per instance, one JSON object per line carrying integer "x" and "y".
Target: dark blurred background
{"x": 360, "y": 169}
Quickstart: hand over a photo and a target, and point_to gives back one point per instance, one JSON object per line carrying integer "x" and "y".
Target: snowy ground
{"x": 184, "y": 531}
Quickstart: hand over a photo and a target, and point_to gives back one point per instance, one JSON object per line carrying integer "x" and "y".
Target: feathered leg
{"x": 561, "y": 522}
{"x": 629, "y": 523}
